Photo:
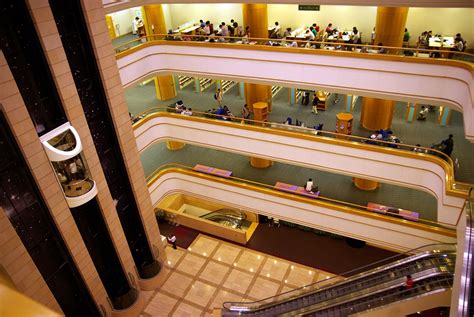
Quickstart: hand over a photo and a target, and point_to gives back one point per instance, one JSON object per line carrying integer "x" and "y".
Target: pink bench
{"x": 212, "y": 171}
{"x": 295, "y": 190}
{"x": 397, "y": 212}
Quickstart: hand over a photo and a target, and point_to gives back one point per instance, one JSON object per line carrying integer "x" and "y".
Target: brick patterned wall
{"x": 13, "y": 255}
{"x": 56, "y": 57}
{"x": 20, "y": 267}
{"x": 102, "y": 44}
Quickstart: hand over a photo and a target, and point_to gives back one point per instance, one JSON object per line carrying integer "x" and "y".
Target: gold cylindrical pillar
{"x": 165, "y": 87}
{"x": 390, "y": 25}
{"x": 174, "y": 146}
{"x": 260, "y": 163}
{"x": 256, "y": 17}
{"x": 365, "y": 184}
{"x": 376, "y": 114}
{"x": 258, "y": 93}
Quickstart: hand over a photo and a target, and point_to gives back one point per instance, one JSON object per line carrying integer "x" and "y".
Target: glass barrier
{"x": 73, "y": 175}
{"x": 406, "y": 219}
{"x": 385, "y": 140}
{"x": 464, "y": 303}
{"x": 329, "y": 44}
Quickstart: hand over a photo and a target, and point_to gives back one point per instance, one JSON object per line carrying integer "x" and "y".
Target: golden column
{"x": 376, "y": 113}
{"x": 154, "y": 20}
{"x": 256, "y": 17}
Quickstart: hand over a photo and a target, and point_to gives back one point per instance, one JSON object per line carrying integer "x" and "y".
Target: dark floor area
{"x": 325, "y": 253}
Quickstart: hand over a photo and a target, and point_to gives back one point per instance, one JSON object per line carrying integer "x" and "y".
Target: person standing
{"x": 245, "y": 112}
{"x": 219, "y": 96}
{"x": 406, "y": 38}
{"x": 315, "y": 103}
{"x": 449, "y": 145}
{"x": 172, "y": 240}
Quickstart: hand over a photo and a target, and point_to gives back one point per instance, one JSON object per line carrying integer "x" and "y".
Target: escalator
{"x": 431, "y": 270}
{"x": 228, "y": 217}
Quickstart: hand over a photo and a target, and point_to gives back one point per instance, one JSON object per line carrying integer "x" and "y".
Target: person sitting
{"x": 179, "y": 106}
{"x": 238, "y": 30}
{"x": 309, "y": 35}
{"x": 418, "y": 149}
{"x": 459, "y": 43}
{"x": 329, "y": 29}
{"x": 309, "y": 187}
{"x": 316, "y": 28}
{"x": 187, "y": 112}
{"x": 381, "y": 49}
{"x": 275, "y": 32}
{"x": 287, "y": 33}
{"x": 423, "y": 113}
{"x": 288, "y": 121}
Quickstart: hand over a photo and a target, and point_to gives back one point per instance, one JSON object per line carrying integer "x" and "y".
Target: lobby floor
{"x": 212, "y": 271}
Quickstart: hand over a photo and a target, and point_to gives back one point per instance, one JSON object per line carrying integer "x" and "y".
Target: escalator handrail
{"x": 464, "y": 302}
{"x": 435, "y": 268}
{"x": 229, "y": 213}
{"x": 240, "y": 306}
{"x": 361, "y": 294}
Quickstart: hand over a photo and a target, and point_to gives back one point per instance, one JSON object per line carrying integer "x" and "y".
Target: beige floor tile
{"x": 224, "y": 296}
{"x": 160, "y": 305}
{"x": 238, "y": 281}
{"x": 191, "y": 264}
{"x": 250, "y": 261}
{"x": 173, "y": 256}
{"x": 185, "y": 310}
{"x": 263, "y": 288}
{"x": 274, "y": 269}
{"x": 203, "y": 245}
{"x": 214, "y": 272}
{"x": 286, "y": 289}
{"x": 226, "y": 253}
{"x": 177, "y": 284}
{"x": 200, "y": 293}
{"x": 300, "y": 276}
{"x": 147, "y": 295}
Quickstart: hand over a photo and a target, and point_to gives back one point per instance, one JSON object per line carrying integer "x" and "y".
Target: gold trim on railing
{"x": 444, "y": 161}
{"x": 160, "y": 39}
{"x": 420, "y": 224}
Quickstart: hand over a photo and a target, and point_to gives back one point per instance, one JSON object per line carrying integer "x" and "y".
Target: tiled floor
{"x": 212, "y": 271}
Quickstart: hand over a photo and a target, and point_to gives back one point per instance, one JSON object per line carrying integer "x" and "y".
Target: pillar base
{"x": 365, "y": 184}
{"x": 260, "y": 163}
{"x": 174, "y": 146}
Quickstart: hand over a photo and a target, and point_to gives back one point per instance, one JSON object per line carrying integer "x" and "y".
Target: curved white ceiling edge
{"x": 113, "y": 6}
{"x": 56, "y": 155}
{"x": 378, "y": 232}
{"x": 403, "y": 81}
{"x": 387, "y": 168}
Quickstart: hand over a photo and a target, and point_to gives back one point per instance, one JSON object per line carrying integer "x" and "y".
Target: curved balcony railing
{"x": 419, "y": 223}
{"x": 418, "y": 152}
{"x": 337, "y": 45}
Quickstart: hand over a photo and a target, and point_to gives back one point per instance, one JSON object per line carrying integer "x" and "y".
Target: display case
{"x": 344, "y": 123}
{"x": 63, "y": 148}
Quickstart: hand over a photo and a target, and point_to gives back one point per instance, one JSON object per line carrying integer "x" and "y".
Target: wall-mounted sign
{"x": 308, "y": 7}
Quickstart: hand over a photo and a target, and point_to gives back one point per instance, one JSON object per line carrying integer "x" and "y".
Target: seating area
{"x": 394, "y": 212}
{"x": 212, "y": 171}
{"x": 294, "y": 189}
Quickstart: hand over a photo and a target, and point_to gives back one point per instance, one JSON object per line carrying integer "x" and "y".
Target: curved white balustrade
{"x": 55, "y": 154}
{"x": 375, "y": 231}
{"x": 382, "y": 164}
{"x": 410, "y": 79}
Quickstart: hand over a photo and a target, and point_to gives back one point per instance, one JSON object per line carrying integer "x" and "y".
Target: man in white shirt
{"x": 275, "y": 31}
{"x": 309, "y": 35}
{"x": 224, "y": 31}
{"x": 309, "y": 186}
